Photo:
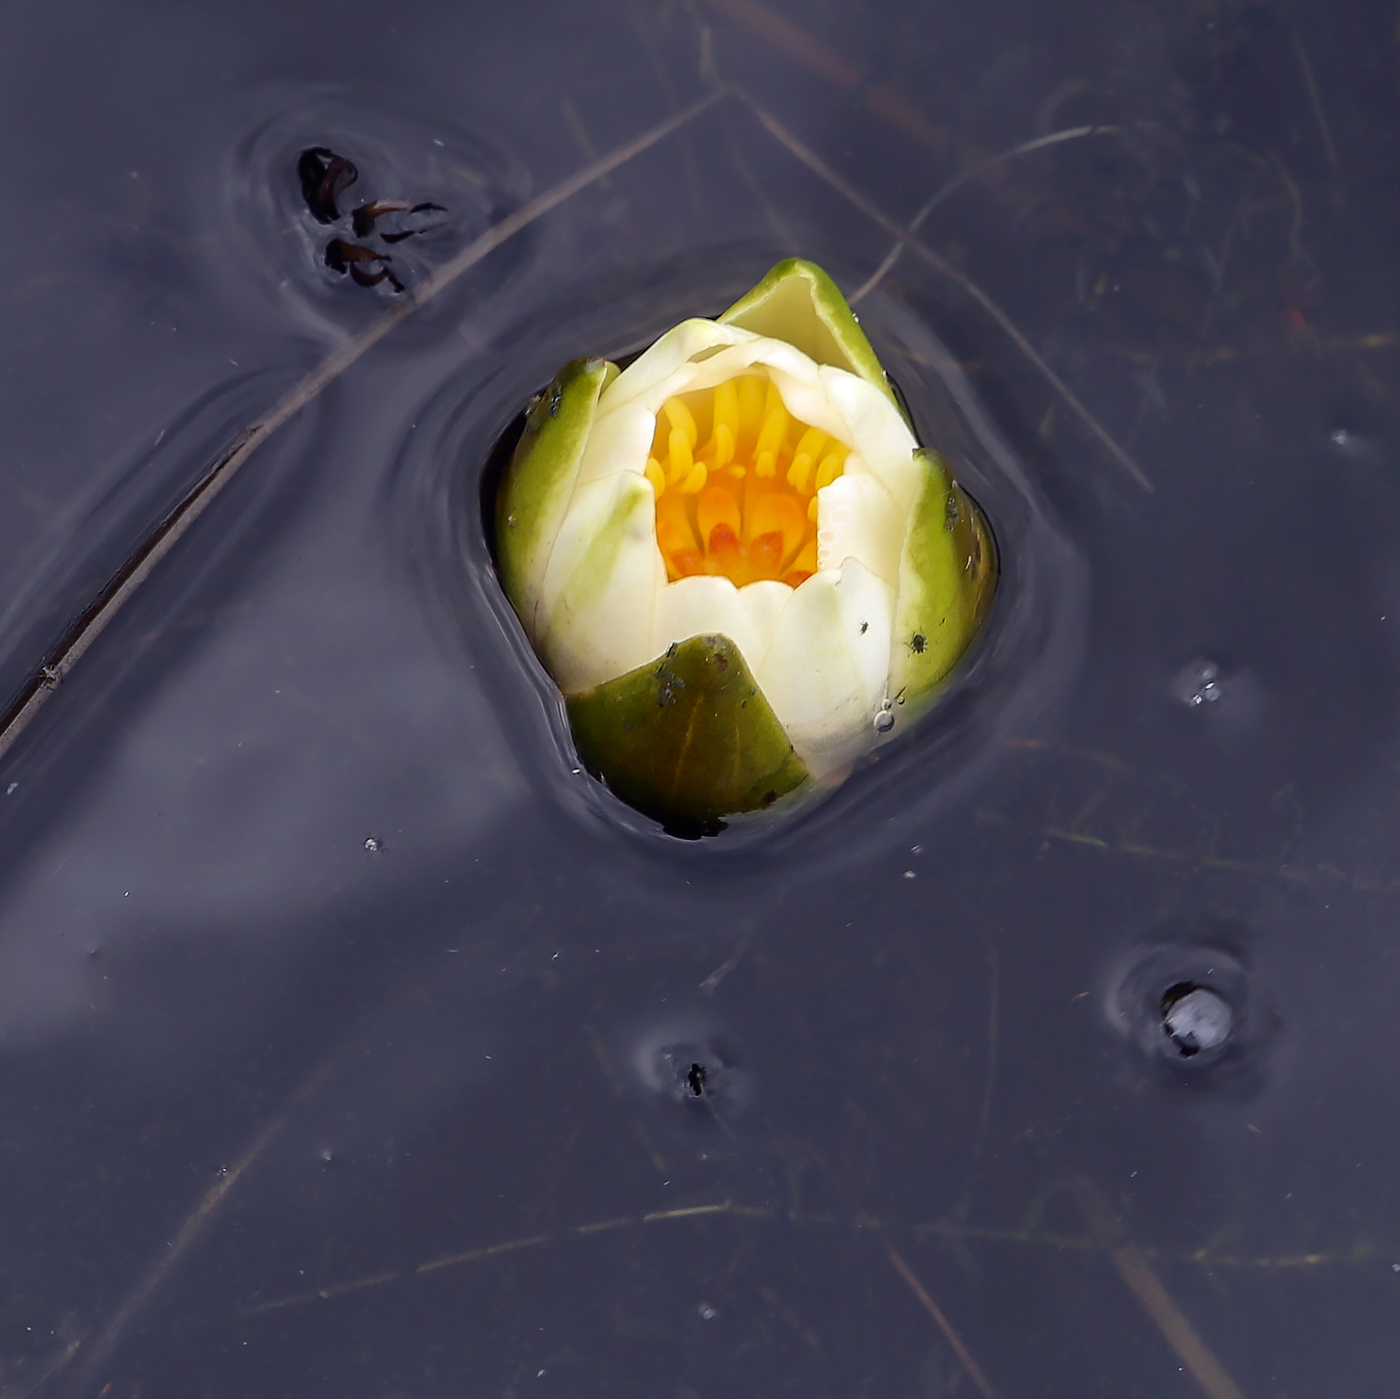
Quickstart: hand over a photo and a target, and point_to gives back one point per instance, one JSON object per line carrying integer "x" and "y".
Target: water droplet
{"x": 1195, "y": 1018}
{"x": 708, "y": 1313}
{"x": 1199, "y": 682}
{"x": 373, "y": 844}
{"x": 884, "y": 721}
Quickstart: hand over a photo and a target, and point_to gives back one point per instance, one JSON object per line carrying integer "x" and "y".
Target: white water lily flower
{"x": 753, "y": 479}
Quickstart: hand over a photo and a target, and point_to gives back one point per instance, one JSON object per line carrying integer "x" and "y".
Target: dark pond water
{"x": 353, "y": 1043}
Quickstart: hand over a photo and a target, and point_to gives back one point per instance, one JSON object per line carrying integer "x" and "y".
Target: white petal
{"x": 765, "y": 601}
{"x": 706, "y": 606}
{"x": 660, "y": 362}
{"x": 876, "y": 431}
{"x": 619, "y": 441}
{"x": 599, "y": 597}
{"x": 712, "y": 360}
{"x": 828, "y": 665}
{"x": 856, "y": 519}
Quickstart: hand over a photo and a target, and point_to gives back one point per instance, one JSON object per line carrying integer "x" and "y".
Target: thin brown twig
{"x": 1073, "y": 133}
{"x": 808, "y": 51}
{"x": 1157, "y": 1302}
{"x": 944, "y": 1325}
{"x": 911, "y": 1278}
{"x": 100, "y": 613}
{"x": 1315, "y": 101}
{"x": 191, "y": 1229}
{"x": 818, "y": 166}
{"x": 1345, "y": 1256}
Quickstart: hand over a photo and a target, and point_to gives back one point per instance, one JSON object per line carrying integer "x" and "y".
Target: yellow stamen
{"x": 775, "y": 425}
{"x": 678, "y": 446}
{"x": 716, "y": 506}
{"x": 727, "y": 409}
{"x": 751, "y": 395}
{"x": 742, "y": 505}
{"x": 680, "y": 417}
{"x": 723, "y": 443}
{"x": 832, "y": 466}
{"x": 804, "y": 457}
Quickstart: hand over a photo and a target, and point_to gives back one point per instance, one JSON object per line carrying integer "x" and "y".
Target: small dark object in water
{"x": 365, "y": 217}
{"x": 346, "y": 257}
{"x": 324, "y": 175}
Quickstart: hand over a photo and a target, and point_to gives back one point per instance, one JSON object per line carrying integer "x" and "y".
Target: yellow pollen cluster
{"x": 744, "y": 505}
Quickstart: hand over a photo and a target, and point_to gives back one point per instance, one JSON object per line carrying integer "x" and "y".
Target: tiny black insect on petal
{"x": 917, "y": 643}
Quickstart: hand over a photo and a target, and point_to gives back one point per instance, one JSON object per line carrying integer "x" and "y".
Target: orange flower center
{"x": 744, "y": 504}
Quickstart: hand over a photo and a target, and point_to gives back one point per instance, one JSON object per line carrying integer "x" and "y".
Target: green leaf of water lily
{"x": 539, "y": 483}
{"x": 688, "y": 739}
{"x": 947, "y": 572}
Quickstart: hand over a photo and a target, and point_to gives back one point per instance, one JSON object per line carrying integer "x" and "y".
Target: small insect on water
{"x": 324, "y": 176}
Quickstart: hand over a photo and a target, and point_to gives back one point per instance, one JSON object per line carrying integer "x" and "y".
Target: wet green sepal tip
{"x": 947, "y": 574}
{"x": 539, "y": 483}
{"x": 687, "y": 739}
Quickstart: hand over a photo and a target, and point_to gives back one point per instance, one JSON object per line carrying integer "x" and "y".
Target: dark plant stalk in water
{"x": 94, "y": 620}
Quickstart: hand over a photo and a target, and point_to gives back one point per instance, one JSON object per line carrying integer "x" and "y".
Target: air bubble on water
{"x": 1347, "y": 443}
{"x": 1195, "y": 1018}
{"x": 707, "y": 1312}
{"x": 1198, "y": 683}
{"x": 373, "y": 844}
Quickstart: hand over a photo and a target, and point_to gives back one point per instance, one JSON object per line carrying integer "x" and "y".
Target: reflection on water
{"x": 354, "y": 1040}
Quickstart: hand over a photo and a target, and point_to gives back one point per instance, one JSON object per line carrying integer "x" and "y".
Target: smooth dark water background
{"x": 285, "y": 1113}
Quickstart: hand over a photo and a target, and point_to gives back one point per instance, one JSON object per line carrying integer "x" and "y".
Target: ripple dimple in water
{"x": 1196, "y": 1018}
{"x": 338, "y": 205}
{"x": 1198, "y": 683}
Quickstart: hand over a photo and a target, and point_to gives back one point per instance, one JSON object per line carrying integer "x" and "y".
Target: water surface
{"x": 350, "y": 1035}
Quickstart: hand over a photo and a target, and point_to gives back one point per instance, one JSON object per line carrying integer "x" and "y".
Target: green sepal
{"x": 799, "y": 303}
{"x": 947, "y": 574}
{"x": 687, "y": 739}
{"x": 539, "y": 482}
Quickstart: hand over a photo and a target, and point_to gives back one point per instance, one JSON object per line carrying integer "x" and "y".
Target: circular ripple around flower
{"x": 1027, "y": 650}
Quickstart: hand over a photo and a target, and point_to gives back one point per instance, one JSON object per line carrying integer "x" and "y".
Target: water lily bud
{"x": 734, "y": 558}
